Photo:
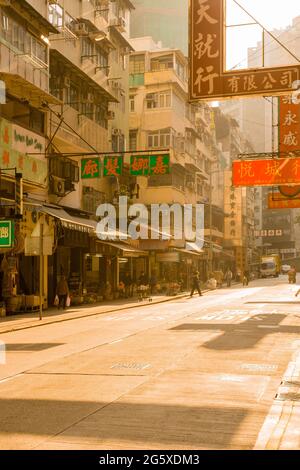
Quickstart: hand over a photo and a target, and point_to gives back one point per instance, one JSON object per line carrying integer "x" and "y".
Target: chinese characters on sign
{"x": 139, "y": 165}
{"x": 209, "y": 79}
{"x": 90, "y": 168}
{"x": 268, "y": 233}
{"x": 232, "y": 207}
{"x": 113, "y": 166}
{"x": 7, "y": 234}
{"x": 142, "y": 165}
{"x": 289, "y": 125}
{"x": 266, "y": 172}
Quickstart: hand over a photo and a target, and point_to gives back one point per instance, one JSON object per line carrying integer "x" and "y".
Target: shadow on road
{"x": 242, "y": 335}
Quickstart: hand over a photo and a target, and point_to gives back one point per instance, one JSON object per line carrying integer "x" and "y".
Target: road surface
{"x": 216, "y": 372}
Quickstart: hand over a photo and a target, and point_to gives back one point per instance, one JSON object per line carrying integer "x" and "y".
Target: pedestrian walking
{"x": 153, "y": 283}
{"x": 128, "y": 285}
{"x": 62, "y": 292}
{"x": 246, "y": 278}
{"x": 196, "y": 284}
{"x": 228, "y": 277}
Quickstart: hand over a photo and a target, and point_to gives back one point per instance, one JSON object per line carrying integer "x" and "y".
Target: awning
{"x": 127, "y": 251}
{"x": 23, "y": 90}
{"x": 191, "y": 249}
{"x": 69, "y": 221}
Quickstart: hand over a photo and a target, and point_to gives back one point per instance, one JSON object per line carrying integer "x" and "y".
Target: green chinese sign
{"x": 7, "y": 234}
{"x": 159, "y": 165}
{"x": 113, "y": 166}
{"x": 90, "y": 168}
{"x": 139, "y": 165}
{"x": 150, "y": 165}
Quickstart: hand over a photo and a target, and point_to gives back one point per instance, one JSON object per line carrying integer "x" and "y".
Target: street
{"x": 201, "y": 373}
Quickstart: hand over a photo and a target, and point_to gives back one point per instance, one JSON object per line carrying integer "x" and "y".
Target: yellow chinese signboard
{"x": 208, "y": 78}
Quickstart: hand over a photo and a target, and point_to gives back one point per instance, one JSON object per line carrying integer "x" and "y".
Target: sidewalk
{"x": 52, "y": 315}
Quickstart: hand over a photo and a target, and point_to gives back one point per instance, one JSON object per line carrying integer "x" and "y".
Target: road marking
{"x": 115, "y": 342}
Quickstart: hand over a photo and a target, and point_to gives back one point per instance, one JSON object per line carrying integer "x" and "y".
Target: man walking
{"x": 196, "y": 284}
{"x": 229, "y": 277}
{"x": 62, "y": 292}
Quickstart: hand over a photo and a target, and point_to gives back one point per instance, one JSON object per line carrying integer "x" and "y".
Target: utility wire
{"x": 267, "y": 31}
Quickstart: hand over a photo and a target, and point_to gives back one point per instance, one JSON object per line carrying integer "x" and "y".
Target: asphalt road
{"x": 202, "y": 373}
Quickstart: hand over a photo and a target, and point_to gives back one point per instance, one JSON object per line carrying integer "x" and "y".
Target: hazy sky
{"x": 273, "y": 14}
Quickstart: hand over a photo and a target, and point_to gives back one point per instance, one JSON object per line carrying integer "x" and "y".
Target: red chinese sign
{"x": 266, "y": 172}
{"x": 208, "y": 79}
{"x": 278, "y": 201}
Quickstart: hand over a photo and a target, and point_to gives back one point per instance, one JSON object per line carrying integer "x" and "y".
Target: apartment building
{"x": 162, "y": 119}
{"x": 64, "y": 66}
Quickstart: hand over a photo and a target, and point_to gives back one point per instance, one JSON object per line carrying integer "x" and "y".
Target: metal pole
{"x": 210, "y": 226}
{"x": 41, "y": 270}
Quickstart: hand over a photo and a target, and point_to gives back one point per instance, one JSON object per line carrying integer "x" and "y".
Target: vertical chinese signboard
{"x": 208, "y": 77}
{"x": 233, "y": 200}
{"x": 289, "y": 136}
{"x": 7, "y": 234}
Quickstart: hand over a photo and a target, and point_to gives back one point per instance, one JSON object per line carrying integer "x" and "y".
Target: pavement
{"x": 53, "y": 315}
{"x": 216, "y": 372}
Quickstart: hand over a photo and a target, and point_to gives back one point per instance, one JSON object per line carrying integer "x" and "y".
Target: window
{"x": 162, "y": 63}
{"x": 137, "y": 64}
{"x": 87, "y": 48}
{"x": 56, "y": 14}
{"x": 87, "y": 109}
{"x": 132, "y": 103}
{"x": 133, "y": 140}
{"x": 158, "y": 100}
{"x": 101, "y": 115}
{"x": 160, "y": 139}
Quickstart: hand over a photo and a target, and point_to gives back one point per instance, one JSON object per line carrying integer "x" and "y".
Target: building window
{"x": 158, "y": 100}
{"x": 137, "y": 64}
{"x": 101, "y": 115}
{"x": 160, "y": 139}
{"x": 160, "y": 64}
{"x": 132, "y": 103}
{"x": 133, "y": 140}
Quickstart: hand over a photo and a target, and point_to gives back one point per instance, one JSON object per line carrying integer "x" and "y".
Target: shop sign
{"x": 113, "y": 166}
{"x": 168, "y": 258}
{"x": 209, "y": 79}
{"x": 289, "y": 135}
{"x": 7, "y": 233}
{"x": 266, "y": 172}
{"x": 90, "y": 168}
{"x": 16, "y": 142}
{"x": 139, "y": 165}
{"x": 159, "y": 165}
{"x": 150, "y": 165}
{"x": 278, "y": 201}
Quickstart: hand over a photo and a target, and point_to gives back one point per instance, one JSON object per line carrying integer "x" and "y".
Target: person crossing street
{"x": 196, "y": 284}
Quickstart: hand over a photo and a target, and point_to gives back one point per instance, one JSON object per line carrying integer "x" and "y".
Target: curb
{"x": 85, "y": 315}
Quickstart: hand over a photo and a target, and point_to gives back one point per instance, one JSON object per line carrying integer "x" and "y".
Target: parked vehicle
{"x": 270, "y": 266}
{"x": 285, "y": 268}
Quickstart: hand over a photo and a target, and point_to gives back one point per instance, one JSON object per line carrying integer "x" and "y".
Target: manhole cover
{"x": 288, "y": 396}
{"x": 259, "y": 367}
{"x": 130, "y": 365}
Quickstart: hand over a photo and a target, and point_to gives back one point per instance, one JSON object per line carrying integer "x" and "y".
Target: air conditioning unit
{"x": 111, "y": 115}
{"x": 57, "y": 186}
{"x": 69, "y": 186}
